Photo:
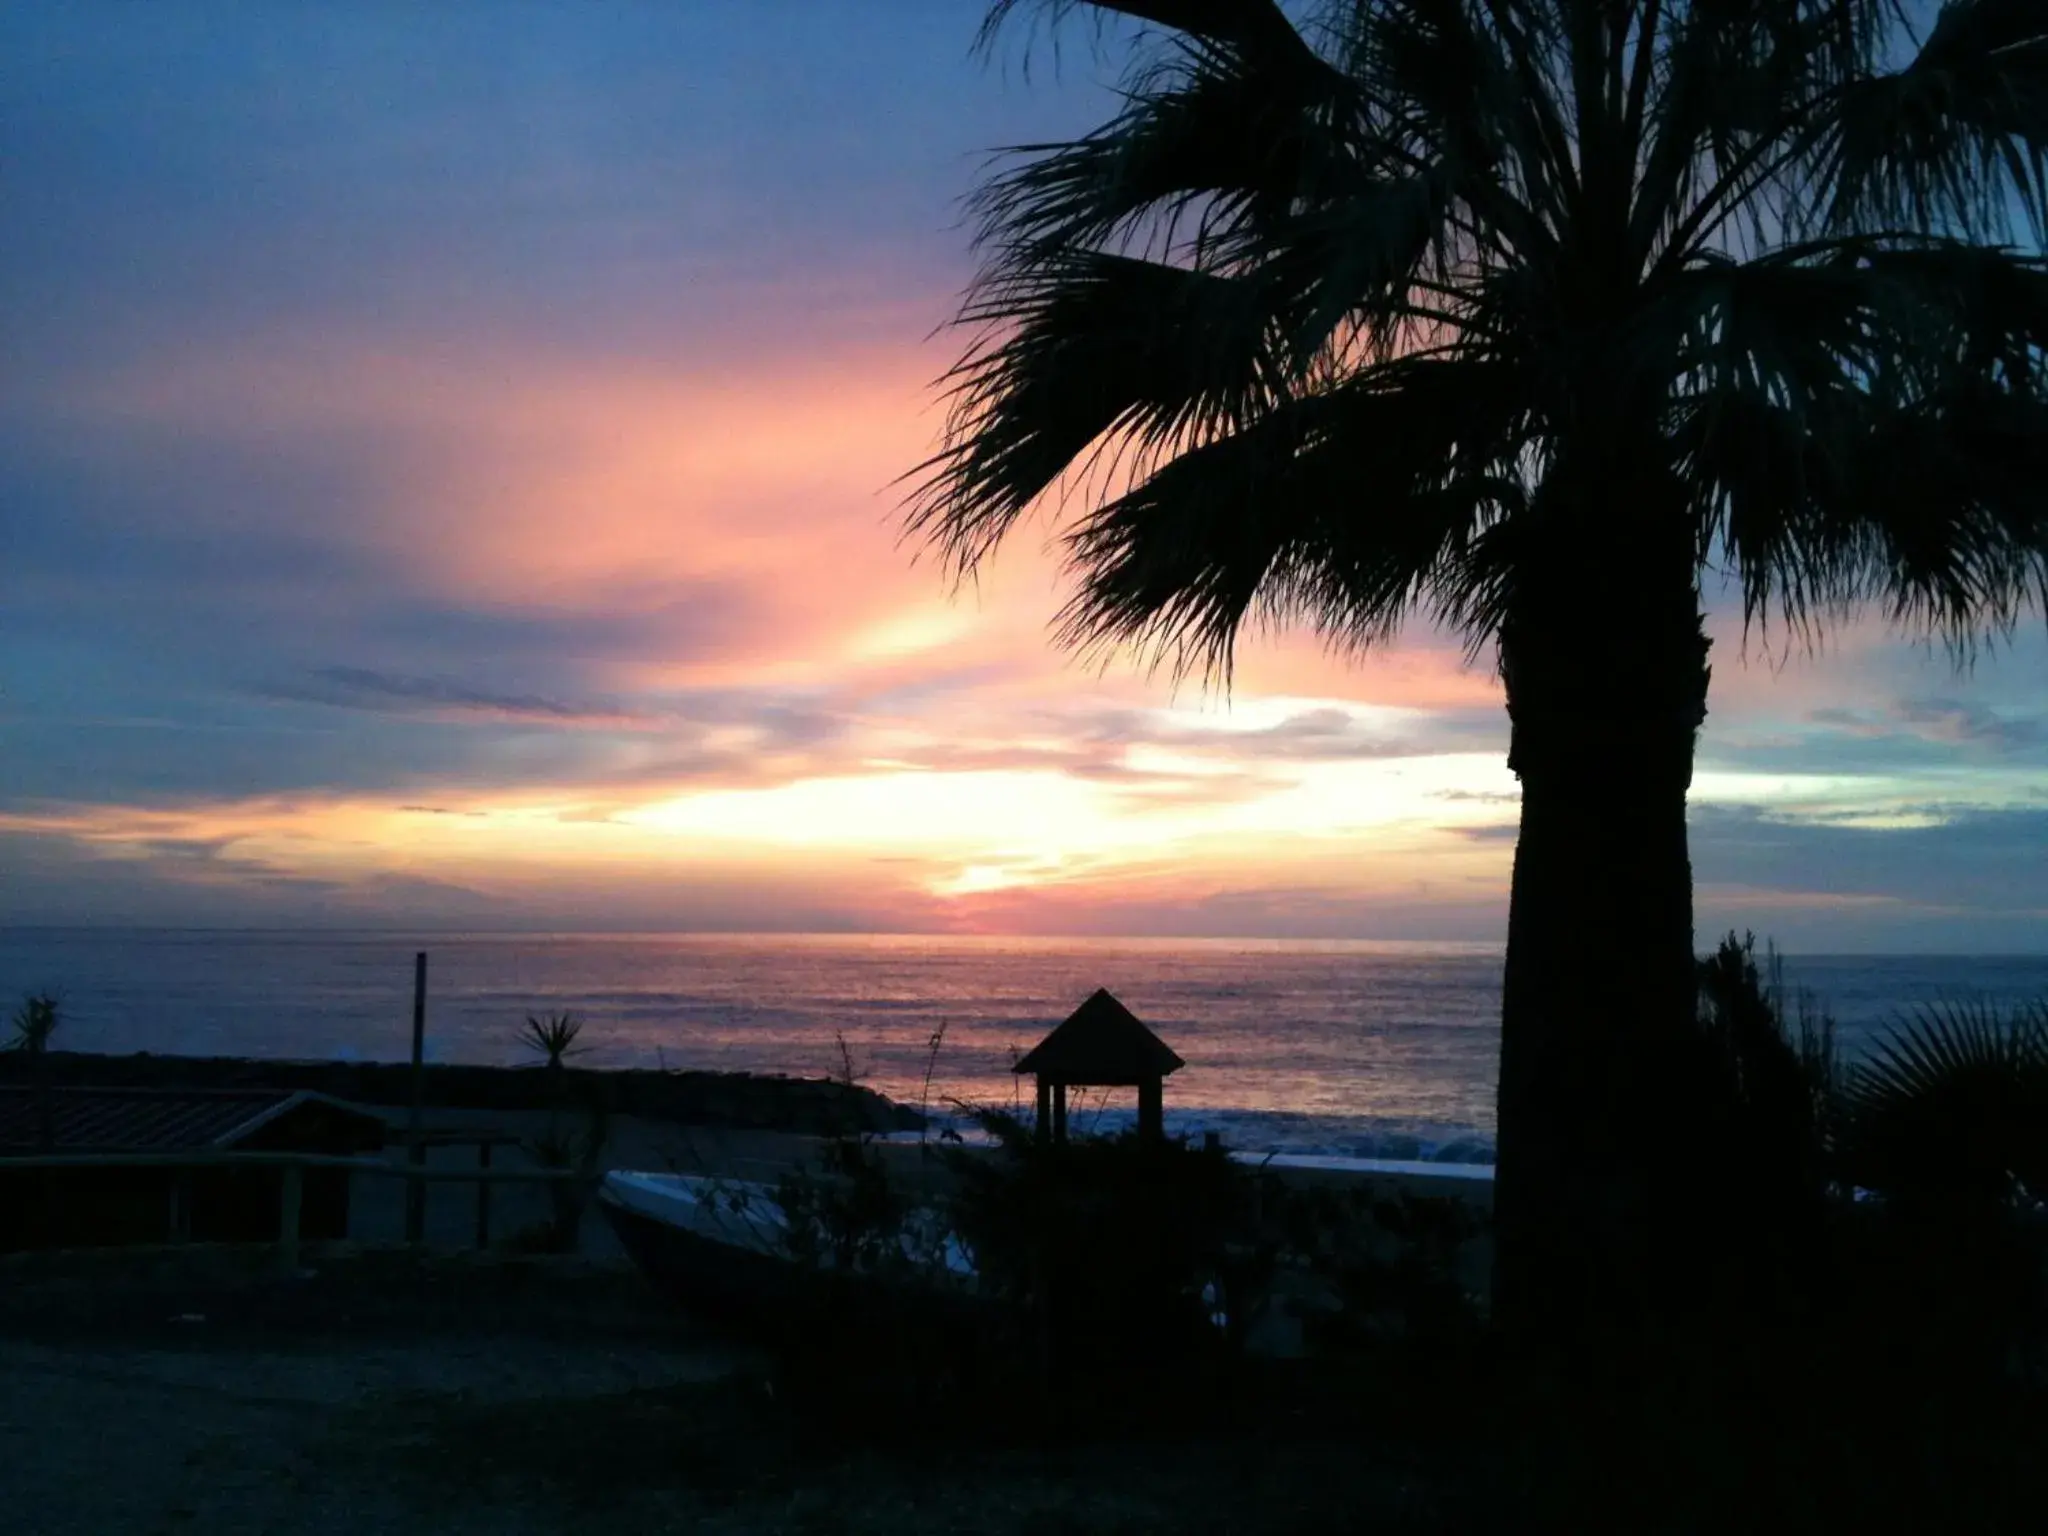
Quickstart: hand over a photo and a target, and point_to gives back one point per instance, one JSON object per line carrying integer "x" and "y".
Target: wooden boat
{"x": 722, "y": 1248}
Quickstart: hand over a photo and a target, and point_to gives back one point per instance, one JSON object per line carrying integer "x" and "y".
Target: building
{"x": 66, "y": 1207}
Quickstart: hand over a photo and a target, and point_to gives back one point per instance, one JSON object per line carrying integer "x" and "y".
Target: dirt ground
{"x": 201, "y": 1390}
{"x": 385, "y": 1393}
{"x": 188, "y": 1389}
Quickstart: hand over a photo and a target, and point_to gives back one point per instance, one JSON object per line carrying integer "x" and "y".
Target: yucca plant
{"x": 1951, "y": 1109}
{"x": 35, "y": 1021}
{"x": 1527, "y": 318}
{"x": 578, "y": 1150}
{"x": 553, "y": 1036}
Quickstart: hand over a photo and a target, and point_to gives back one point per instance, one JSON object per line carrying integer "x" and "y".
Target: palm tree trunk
{"x": 1606, "y": 698}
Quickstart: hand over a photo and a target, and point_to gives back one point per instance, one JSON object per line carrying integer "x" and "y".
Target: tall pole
{"x": 416, "y": 1189}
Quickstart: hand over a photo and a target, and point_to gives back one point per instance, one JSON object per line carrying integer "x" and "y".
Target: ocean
{"x": 1354, "y": 1050}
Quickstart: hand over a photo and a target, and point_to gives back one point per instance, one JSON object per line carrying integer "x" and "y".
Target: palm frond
{"x": 1283, "y": 242}
{"x": 1729, "y": 127}
{"x": 1951, "y": 140}
{"x": 1095, "y": 344}
{"x": 1204, "y": 132}
{"x": 1348, "y": 509}
{"x": 1952, "y": 1105}
{"x": 1253, "y": 25}
{"x": 1864, "y": 422}
{"x": 1478, "y": 98}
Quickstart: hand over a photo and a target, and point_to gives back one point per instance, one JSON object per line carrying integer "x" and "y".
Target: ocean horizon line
{"x": 1470, "y": 948}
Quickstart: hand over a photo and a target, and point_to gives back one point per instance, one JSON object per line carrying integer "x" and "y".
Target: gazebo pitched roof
{"x": 1102, "y": 1044}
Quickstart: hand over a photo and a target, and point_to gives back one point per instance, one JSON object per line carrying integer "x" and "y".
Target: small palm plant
{"x": 553, "y": 1035}
{"x": 1951, "y": 1109}
{"x": 1946, "y": 1123}
{"x": 35, "y": 1021}
{"x": 570, "y": 1149}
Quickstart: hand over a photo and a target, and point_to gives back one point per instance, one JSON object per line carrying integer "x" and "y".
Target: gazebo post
{"x": 1044, "y": 1122}
{"x": 1059, "y": 1111}
{"x": 1152, "y": 1108}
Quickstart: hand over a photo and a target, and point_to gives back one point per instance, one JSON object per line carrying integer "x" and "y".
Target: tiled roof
{"x": 1101, "y": 1044}
{"x": 138, "y": 1119}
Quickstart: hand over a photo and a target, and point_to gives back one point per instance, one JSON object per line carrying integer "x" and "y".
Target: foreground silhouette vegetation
{"x": 1870, "y": 1342}
{"x": 1527, "y": 318}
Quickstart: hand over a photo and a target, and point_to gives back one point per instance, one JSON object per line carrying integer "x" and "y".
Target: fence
{"x": 291, "y": 1187}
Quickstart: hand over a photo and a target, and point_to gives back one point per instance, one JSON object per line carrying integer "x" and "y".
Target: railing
{"x": 291, "y": 1187}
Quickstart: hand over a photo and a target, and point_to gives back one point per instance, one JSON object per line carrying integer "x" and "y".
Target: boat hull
{"x": 721, "y": 1281}
{"x": 738, "y": 1285}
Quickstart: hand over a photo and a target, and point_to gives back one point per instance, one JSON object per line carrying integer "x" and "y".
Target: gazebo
{"x": 1102, "y": 1044}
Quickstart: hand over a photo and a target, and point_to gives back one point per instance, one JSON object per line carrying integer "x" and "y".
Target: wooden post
{"x": 181, "y": 1205}
{"x": 290, "y": 1201}
{"x": 1059, "y": 1111}
{"x": 483, "y": 1194}
{"x": 416, "y": 1189}
{"x": 1044, "y": 1124}
{"x": 1152, "y": 1108}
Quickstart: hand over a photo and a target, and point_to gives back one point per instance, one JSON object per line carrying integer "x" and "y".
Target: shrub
{"x": 1123, "y": 1250}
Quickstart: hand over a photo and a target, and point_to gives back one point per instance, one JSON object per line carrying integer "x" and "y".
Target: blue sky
{"x": 445, "y": 465}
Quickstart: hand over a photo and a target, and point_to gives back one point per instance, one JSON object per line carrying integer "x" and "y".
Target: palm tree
{"x": 1521, "y": 317}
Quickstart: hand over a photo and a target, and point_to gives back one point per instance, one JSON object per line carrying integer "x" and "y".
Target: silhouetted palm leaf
{"x": 1952, "y": 1106}
{"x": 553, "y": 1036}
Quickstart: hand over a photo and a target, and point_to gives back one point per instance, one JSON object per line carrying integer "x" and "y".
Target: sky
{"x": 449, "y": 478}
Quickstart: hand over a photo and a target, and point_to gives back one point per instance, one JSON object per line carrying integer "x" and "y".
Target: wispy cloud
{"x": 367, "y": 689}
{"x": 479, "y": 510}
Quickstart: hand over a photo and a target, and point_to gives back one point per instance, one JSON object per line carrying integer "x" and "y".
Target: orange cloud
{"x": 848, "y": 728}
